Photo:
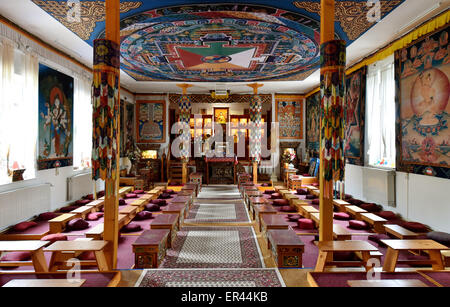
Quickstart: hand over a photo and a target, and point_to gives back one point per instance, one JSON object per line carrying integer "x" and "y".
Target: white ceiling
{"x": 405, "y": 17}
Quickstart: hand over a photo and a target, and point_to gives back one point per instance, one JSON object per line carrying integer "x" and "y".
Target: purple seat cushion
{"x": 143, "y": 215}
{"x": 82, "y": 202}
{"x": 302, "y": 192}
{"x": 355, "y": 202}
{"x": 54, "y": 237}
{"x": 377, "y": 239}
{"x": 440, "y": 237}
{"x": 159, "y": 202}
{"x": 311, "y": 197}
{"x": 138, "y": 191}
{"x": 68, "y": 209}
{"x": 131, "y": 227}
{"x": 169, "y": 191}
{"x": 164, "y": 196}
{"x": 122, "y": 202}
{"x": 415, "y": 226}
{"x": 101, "y": 194}
{"x": 287, "y": 209}
{"x": 359, "y": 225}
{"x": 269, "y": 191}
{"x": 24, "y": 226}
{"x": 294, "y": 217}
{"x": 47, "y": 216}
{"x": 387, "y": 215}
{"x": 315, "y": 201}
{"x": 306, "y": 224}
{"x": 342, "y": 216}
{"x": 77, "y": 224}
{"x": 280, "y": 202}
{"x": 131, "y": 195}
{"x": 89, "y": 197}
{"x": 16, "y": 256}
{"x": 276, "y": 196}
{"x": 370, "y": 207}
{"x": 151, "y": 207}
{"x": 94, "y": 216}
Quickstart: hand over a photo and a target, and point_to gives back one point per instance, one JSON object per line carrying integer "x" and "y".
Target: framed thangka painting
{"x": 151, "y": 121}
{"x": 289, "y": 116}
{"x": 129, "y": 127}
{"x": 355, "y": 116}
{"x": 55, "y": 148}
{"x": 313, "y": 124}
{"x": 423, "y": 134}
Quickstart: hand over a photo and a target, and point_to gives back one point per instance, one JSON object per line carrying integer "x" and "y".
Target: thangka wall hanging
{"x": 355, "y": 117}
{"x": 55, "y": 119}
{"x": 422, "y": 78}
{"x": 313, "y": 124}
{"x": 151, "y": 121}
{"x": 289, "y": 116}
{"x": 129, "y": 126}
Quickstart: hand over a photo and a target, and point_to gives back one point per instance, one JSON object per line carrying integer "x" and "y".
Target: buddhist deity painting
{"x": 55, "y": 119}
{"x": 354, "y": 117}
{"x": 151, "y": 121}
{"x": 221, "y": 115}
{"x": 313, "y": 124}
{"x": 289, "y": 116}
{"x": 423, "y": 138}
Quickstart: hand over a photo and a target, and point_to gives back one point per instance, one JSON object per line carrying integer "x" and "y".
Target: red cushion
{"x": 138, "y": 191}
{"x": 87, "y": 256}
{"x": 280, "y": 202}
{"x": 415, "y": 226}
{"x": 387, "y": 215}
{"x": 89, "y": 197}
{"x": 294, "y": 217}
{"x": 159, "y": 202}
{"x": 311, "y": 197}
{"x": 169, "y": 191}
{"x": 131, "y": 195}
{"x": 305, "y": 224}
{"x": 164, "y": 196}
{"x": 287, "y": 209}
{"x": 370, "y": 207}
{"x": 355, "y": 202}
{"x": 47, "y": 216}
{"x": 132, "y": 227}
{"x": 82, "y": 202}
{"x": 269, "y": 191}
{"x": 342, "y": 216}
{"x": 276, "y": 196}
{"x": 68, "y": 209}
{"x": 16, "y": 256}
{"x": 151, "y": 207}
{"x": 24, "y": 226}
{"x": 143, "y": 215}
{"x": 101, "y": 194}
{"x": 54, "y": 237}
{"x": 94, "y": 216}
{"x": 122, "y": 202}
{"x": 315, "y": 201}
{"x": 302, "y": 192}
{"x": 360, "y": 225}
{"x": 77, "y": 224}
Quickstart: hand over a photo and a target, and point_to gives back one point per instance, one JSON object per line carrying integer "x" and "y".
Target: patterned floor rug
{"x": 210, "y": 278}
{"x": 218, "y": 212}
{"x": 219, "y": 192}
{"x": 214, "y": 247}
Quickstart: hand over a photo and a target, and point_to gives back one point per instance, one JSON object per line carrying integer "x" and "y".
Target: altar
{"x": 221, "y": 170}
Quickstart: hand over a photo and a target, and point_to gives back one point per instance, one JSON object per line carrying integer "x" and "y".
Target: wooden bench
{"x": 96, "y": 232}
{"x": 340, "y": 233}
{"x": 166, "y": 221}
{"x": 34, "y": 247}
{"x": 150, "y": 248}
{"x": 287, "y": 248}
{"x": 307, "y": 210}
{"x": 290, "y": 197}
{"x": 259, "y": 210}
{"x": 400, "y": 232}
{"x": 311, "y": 188}
{"x": 141, "y": 202}
{"x": 284, "y": 193}
{"x": 315, "y": 192}
{"x": 58, "y": 224}
{"x": 374, "y": 220}
{"x": 297, "y": 203}
{"x": 355, "y": 211}
{"x": 315, "y": 217}
{"x": 96, "y": 204}
{"x": 340, "y": 204}
{"x": 125, "y": 190}
{"x": 83, "y": 211}
{"x": 272, "y": 221}
{"x": 129, "y": 211}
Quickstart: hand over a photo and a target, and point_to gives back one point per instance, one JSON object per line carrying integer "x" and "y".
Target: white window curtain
{"x": 82, "y": 124}
{"x": 380, "y": 114}
{"x": 18, "y": 112}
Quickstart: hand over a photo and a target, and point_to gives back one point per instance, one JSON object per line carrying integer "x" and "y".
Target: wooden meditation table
{"x": 176, "y": 209}
{"x": 272, "y": 221}
{"x": 376, "y": 221}
{"x": 307, "y": 210}
{"x": 58, "y": 248}
{"x": 326, "y": 249}
{"x": 431, "y": 247}
{"x": 340, "y": 204}
{"x": 287, "y": 248}
{"x": 167, "y": 221}
{"x": 34, "y": 247}
{"x": 259, "y": 210}
{"x": 150, "y": 248}
{"x": 355, "y": 211}
{"x": 297, "y": 203}
{"x": 256, "y": 201}
{"x": 400, "y": 232}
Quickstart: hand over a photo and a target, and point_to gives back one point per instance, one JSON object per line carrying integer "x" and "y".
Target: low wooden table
{"x": 259, "y": 210}
{"x": 431, "y": 247}
{"x": 129, "y": 210}
{"x": 34, "y": 247}
{"x": 340, "y": 204}
{"x": 340, "y": 233}
{"x": 355, "y": 211}
{"x": 376, "y": 221}
{"x": 176, "y": 209}
{"x": 297, "y": 203}
{"x": 58, "y": 224}
{"x": 167, "y": 221}
{"x": 290, "y": 197}
{"x": 307, "y": 210}
{"x": 44, "y": 283}
{"x": 150, "y": 248}
{"x": 311, "y": 188}
{"x": 59, "y": 247}
{"x": 287, "y": 248}
{"x": 272, "y": 221}
{"x": 315, "y": 192}
{"x": 400, "y": 232}
{"x": 387, "y": 283}
{"x": 96, "y": 204}
{"x": 256, "y": 201}
{"x": 326, "y": 249}
{"x": 315, "y": 217}
{"x": 83, "y": 211}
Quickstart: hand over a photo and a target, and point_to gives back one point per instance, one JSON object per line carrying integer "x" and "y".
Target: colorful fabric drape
{"x": 105, "y": 100}
{"x": 332, "y": 87}
{"x": 185, "y": 107}
{"x": 255, "y": 128}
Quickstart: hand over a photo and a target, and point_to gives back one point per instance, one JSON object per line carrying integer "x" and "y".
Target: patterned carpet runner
{"x": 218, "y": 211}
{"x": 218, "y": 192}
{"x": 210, "y": 278}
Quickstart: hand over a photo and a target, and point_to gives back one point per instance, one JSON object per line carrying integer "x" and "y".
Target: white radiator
{"x": 79, "y": 186}
{"x": 379, "y": 186}
{"x": 22, "y": 204}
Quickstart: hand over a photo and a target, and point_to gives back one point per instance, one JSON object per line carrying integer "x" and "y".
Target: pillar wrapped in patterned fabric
{"x": 105, "y": 101}
{"x": 185, "y": 107}
{"x": 332, "y": 86}
{"x": 255, "y": 128}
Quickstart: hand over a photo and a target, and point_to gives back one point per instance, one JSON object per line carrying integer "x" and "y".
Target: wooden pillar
{"x": 111, "y": 207}
{"x": 185, "y": 160}
{"x": 255, "y": 87}
{"x": 326, "y": 188}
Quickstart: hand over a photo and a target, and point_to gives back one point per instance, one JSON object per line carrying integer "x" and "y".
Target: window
{"x": 380, "y": 114}
{"x": 82, "y": 147}
{"x": 18, "y": 112}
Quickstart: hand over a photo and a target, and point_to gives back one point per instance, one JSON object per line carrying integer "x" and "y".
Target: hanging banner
{"x": 185, "y": 107}
{"x": 332, "y": 87}
{"x": 255, "y": 128}
{"x": 105, "y": 101}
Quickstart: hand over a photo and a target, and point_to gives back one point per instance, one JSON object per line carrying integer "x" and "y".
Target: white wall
{"x": 419, "y": 198}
